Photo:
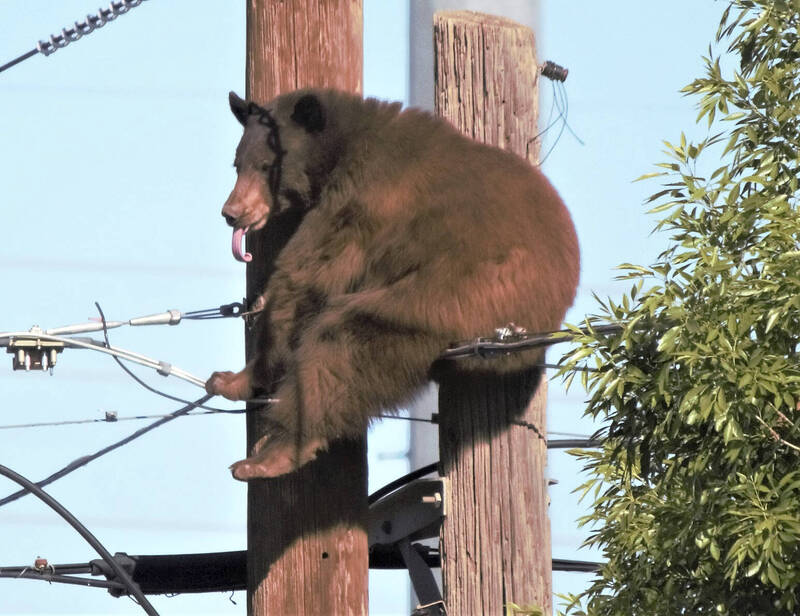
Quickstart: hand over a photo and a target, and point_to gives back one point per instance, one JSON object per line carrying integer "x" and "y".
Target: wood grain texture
{"x": 495, "y": 539}
{"x": 307, "y": 541}
{"x": 486, "y": 79}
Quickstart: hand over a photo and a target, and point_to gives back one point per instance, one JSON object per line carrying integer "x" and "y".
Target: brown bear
{"x": 410, "y": 237}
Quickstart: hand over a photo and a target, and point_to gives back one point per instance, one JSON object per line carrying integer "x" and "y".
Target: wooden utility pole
{"x": 307, "y": 548}
{"x": 495, "y": 539}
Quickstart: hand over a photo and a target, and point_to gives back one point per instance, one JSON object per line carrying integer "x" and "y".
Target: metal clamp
{"x": 34, "y": 354}
{"x": 412, "y": 512}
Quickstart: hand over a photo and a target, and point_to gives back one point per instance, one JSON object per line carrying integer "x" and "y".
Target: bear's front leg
{"x": 232, "y": 385}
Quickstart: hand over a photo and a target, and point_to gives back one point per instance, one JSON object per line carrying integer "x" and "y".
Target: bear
{"x": 408, "y": 237}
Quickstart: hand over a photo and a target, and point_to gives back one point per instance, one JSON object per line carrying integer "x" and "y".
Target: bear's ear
{"x": 239, "y": 107}
{"x": 309, "y": 114}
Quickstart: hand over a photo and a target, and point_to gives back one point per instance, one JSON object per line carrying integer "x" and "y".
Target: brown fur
{"x": 413, "y": 237}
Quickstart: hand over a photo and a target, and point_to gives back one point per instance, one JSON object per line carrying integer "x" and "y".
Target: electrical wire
{"x": 158, "y": 392}
{"x": 487, "y": 347}
{"x": 84, "y": 460}
{"x": 21, "y": 58}
{"x": 571, "y": 435}
{"x": 574, "y": 443}
{"x": 80, "y": 29}
{"x": 227, "y": 571}
{"x": 434, "y": 467}
{"x": 401, "y": 481}
{"x": 561, "y": 101}
{"x": 115, "y": 419}
{"x": 121, "y": 574}
{"x": 28, "y": 573}
{"x": 161, "y": 367}
{"x": 112, "y": 418}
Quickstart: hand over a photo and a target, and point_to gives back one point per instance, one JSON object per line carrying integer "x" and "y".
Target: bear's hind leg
{"x": 346, "y": 369}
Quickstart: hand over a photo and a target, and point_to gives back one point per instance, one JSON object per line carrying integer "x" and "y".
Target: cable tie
{"x": 164, "y": 368}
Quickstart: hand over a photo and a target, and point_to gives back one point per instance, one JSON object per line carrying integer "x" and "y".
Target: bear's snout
{"x": 246, "y": 205}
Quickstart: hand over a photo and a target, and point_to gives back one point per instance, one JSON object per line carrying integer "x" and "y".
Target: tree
{"x": 697, "y": 488}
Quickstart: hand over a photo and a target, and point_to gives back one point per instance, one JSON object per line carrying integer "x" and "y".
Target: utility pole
{"x": 424, "y": 440}
{"x": 306, "y": 532}
{"x": 495, "y": 538}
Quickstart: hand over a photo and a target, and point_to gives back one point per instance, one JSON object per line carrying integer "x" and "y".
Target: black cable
{"x": 434, "y": 467}
{"x": 484, "y": 347}
{"x": 109, "y": 420}
{"x": 121, "y": 574}
{"x": 84, "y": 460}
{"x": 575, "y": 566}
{"x": 575, "y": 443}
{"x": 403, "y": 418}
{"x": 68, "y": 569}
{"x": 234, "y": 309}
{"x": 22, "y": 58}
{"x": 33, "y": 574}
{"x": 227, "y": 571}
{"x": 401, "y": 481}
{"x": 150, "y": 388}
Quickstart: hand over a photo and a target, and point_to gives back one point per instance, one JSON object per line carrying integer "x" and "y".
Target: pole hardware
{"x": 411, "y": 513}
{"x": 34, "y": 353}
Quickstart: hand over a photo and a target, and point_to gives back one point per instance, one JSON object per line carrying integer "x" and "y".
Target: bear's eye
{"x": 265, "y": 166}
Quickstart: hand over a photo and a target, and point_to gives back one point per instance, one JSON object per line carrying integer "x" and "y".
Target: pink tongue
{"x": 236, "y": 245}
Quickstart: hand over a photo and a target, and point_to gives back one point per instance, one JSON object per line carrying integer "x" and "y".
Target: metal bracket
{"x": 425, "y": 586}
{"x": 412, "y": 512}
{"x": 34, "y": 354}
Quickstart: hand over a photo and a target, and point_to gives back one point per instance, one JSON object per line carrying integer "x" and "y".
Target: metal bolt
{"x": 435, "y": 499}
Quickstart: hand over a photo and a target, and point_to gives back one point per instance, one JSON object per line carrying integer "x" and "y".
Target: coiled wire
{"x": 89, "y": 25}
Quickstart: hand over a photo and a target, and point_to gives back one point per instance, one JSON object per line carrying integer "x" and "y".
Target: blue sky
{"x": 116, "y": 157}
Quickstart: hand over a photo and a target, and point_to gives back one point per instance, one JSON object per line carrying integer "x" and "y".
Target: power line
{"x": 574, "y": 440}
{"x": 485, "y": 348}
{"x": 28, "y": 573}
{"x": 111, "y": 417}
{"x": 9, "y": 339}
{"x": 71, "y": 34}
{"x": 120, "y": 573}
{"x": 507, "y": 339}
{"x": 84, "y": 460}
{"x": 227, "y": 310}
{"x": 217, "y": 571}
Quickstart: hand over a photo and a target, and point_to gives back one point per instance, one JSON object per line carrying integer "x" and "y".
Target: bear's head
{"x": 279, "y": 160}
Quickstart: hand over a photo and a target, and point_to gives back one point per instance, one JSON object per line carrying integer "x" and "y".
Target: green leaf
{"x": 753, "y": 569}
{"x": 714, "y": 549}
{"x": 647, "y": 176}
{"x": 696, "y": 503}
